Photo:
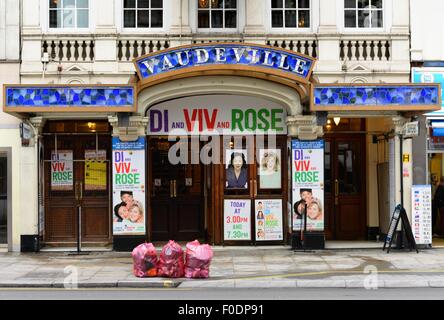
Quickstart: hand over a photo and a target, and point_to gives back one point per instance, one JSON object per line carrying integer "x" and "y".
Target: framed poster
{"x": 129, "y": 187}
{"x": 270, "y": 168}
{"x": 62, "y": 174}
{"x": 95, "y": 170}
{"x": 236, "y": 173}
{"x": 422, "y": 213}
{"x": 308, "y": 184}
{"x": 237, "y": 219}
{"x": 268, "y": 219}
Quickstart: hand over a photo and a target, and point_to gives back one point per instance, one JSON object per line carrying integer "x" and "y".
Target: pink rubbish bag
{"x": 145, "y": 260}
{"x": 198, "y": 260}
{"x": 171, "y": 261}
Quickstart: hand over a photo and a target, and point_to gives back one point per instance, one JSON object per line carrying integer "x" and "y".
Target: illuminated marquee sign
{"x": 70, "y": 98}
{"x": 404, "y": 97}
{"x": 285, "y": 63}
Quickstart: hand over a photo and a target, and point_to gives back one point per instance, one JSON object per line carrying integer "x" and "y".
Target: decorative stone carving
{"x": 304, "y": 127}
{"x": 136, "y": 127}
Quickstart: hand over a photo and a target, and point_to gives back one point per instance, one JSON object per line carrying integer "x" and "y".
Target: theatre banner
{"x": 129, "y": 209}
{"x": 308, "y": 184}
{"x": 62, "y": 174}
{"x": 217, "y": 115}
{"x": 268, "y": 217}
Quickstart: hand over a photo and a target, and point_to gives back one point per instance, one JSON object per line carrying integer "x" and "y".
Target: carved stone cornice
{"x": 304, "y": 127}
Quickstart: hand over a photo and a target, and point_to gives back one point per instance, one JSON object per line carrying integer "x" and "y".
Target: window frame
{"x": 48, "y": 9}
{"x": 314, "y": 20}
{"x": 240, "y": 19}
{"x": 142, "y": 29}
{"x": 384, "y": 10}
{"x": 284, "y": 9}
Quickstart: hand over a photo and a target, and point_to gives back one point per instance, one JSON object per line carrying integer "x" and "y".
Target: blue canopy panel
{"x": 85, "y": 98}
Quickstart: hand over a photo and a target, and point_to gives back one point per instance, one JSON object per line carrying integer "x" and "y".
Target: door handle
{"x": 81, "y": 191}
{"x": 336, "y": 192}
{"x": 255, "y": 188}
{"x": 175, "y": 188}
{"x": 171, "y": 189}
{"x": 76, "y": 192}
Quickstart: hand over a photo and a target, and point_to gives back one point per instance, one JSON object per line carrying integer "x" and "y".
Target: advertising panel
{"x": 237, "y": 219}
{"x": 268, "y": 217}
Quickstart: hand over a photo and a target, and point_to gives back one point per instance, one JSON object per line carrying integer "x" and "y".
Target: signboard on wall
{"x": 422, "y": 213}
{"x": 268, "y": 218}
{"x": 308, "y": 183}
{"x": 217, "y": 115}
{"x": 237, "y": 220}
{"x": 95, "y": 170}
{"x": 129, "y": 209}
{"x": 430, "y": 75}
{"x": 62, "y": 176}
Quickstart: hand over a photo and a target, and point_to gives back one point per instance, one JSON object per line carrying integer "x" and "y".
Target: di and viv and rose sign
{"x": 251, "y": 57}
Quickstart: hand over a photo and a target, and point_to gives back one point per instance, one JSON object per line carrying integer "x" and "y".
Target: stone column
{"x": 304, "y": 127}
{"x": 254, "y": 21}
{"x": 180, "y": 18}
{"x": 136, "y": 127}
{"x": 105, "y": 44}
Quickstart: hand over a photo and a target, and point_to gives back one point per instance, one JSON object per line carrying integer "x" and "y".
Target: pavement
{"x": 234, "y": 267}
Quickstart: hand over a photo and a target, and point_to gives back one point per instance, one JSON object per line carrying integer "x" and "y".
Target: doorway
{"x": 176, "y": 194}
{"x": 76, "y": 177}
{"x": 345, "y": 194}
{"x": 3, "y": 200}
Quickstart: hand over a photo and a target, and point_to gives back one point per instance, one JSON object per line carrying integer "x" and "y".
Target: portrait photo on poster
{"x": 311, "y": 200}
{"x": 236, "y": 173}
{"x": 270, "y": 168}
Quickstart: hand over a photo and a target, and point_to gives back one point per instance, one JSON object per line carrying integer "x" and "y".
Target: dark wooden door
{"x": 345, "y": 194}
{"x": 176, "y": 195}
{"x": 77, "y": 181}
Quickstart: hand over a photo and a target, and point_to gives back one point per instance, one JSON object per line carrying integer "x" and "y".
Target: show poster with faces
{"x": 268, "y": 217}
{"x": 129, "y": 209}
{"x": 62, "y": 174}
{"x": 270, "y": 168}
{"x": 236, "y": 172}
{"x": 307, "y": 170}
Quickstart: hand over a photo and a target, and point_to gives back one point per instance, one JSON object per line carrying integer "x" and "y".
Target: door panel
{"x": 95, "y": 223}
{"x": 62, "y": 224}
{"x": 160, "y": 220}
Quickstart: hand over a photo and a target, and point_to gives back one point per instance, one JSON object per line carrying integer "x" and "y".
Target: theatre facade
{"x": 228, "y": 143}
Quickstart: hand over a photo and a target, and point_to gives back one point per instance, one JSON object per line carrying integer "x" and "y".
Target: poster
{"x": 129, "y": 209}
{"x": 268, "y": 218}
{"x": 270, "y": 169}
{"x": 308, "y": 184}
{"x": 236, "y": 173}
{"x": 237, "y": 219}
{"x": 422, "y": 213}
{"x": 95, "y": 169}
{"x": 62, "y": 175}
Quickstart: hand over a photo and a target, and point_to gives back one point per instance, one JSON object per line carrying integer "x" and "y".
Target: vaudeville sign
{"x": 284, "y": 63}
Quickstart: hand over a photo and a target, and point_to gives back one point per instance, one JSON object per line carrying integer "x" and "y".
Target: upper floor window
{"x": 363, "y": 13}
{"x": 68, "y": 13}
{"x": 143, "y": 14}
{"x": 290, "y": 13}
{"x": 217, "y": 14}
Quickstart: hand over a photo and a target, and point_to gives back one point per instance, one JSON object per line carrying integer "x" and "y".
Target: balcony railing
{"x": 66, "y": 50}
{"x": 365, "y": 49}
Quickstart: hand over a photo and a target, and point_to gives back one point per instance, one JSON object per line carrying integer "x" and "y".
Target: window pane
{"x": 363, "y": 3}
{"x": 230, "y": 19}
{"x": 143, "y": 3}
{"x": 350, "y": 4}
{"x": 364, "y": 19}
{"x": 82, "y": 18}
{"x": 377, "y": 19}
{"x": 290, "y": 19}
{"x": 55, "y": 3}
{"x": 377, "y": 3}
{"x": 218, "y": 4}
{"x": 68, "y": 19}
{"x": 350, "y": 18}
{"x": 54, "y": 18}
{"x": 230, "y": 4}
{"x": 129, "y": 19}
{"x": 82, "y": 4}
{"x": 156, "y": 19}
{"x": 143, "y": 19}
{"x": 276, "y": 3}
{"x": 69, "y": 4}
{"x": 304, "y": 19}
{"x": 217, "y": 19}
{"x": 290, "y": 4}
{"x": 204, "y": 3}
{"x": 203, "y": 19}
{"x": 129, "y": 4}
{"x": 277, "y": 20}
{"x": 304, "y": 3}
{"x": 156, "y": 4}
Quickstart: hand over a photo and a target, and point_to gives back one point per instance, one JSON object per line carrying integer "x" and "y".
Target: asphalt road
{"x": 197, "y": 294}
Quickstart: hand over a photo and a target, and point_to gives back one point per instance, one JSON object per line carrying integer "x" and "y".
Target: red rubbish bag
{"x": 171, "y": 261}
{"x": 145, "y": 261}
{"x": 198, "y": 260}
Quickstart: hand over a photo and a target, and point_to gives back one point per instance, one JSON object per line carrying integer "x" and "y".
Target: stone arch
{"x": 233, "y": 85}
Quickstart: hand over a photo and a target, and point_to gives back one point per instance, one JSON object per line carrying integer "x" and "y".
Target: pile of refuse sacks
{"x": 171, "y": 262}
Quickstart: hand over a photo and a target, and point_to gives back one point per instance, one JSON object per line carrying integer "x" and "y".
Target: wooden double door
{"x": 76, "y": 173}
{"x": 176, "y": 194}
{"x": 345, "y": 192}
